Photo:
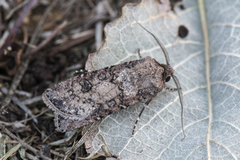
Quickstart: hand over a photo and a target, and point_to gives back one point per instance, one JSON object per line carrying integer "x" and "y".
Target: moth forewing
{"x": 94, "y": 95}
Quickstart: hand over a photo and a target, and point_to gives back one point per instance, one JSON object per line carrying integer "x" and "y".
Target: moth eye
{"x": 168, "y": 79}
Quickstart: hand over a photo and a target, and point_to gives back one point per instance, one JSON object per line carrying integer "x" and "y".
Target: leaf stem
{"x": 207, "y": 58}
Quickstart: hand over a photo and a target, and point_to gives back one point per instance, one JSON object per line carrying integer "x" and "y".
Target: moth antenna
{"x": 179, "y": 89}
{"x": 159, "y": 43}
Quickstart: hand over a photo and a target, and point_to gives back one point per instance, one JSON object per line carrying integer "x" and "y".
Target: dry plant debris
{"x": 41, "y": 43}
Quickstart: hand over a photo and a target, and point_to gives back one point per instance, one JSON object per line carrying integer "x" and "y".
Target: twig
{"x": 110, "y": 9}
{"x": 5, "y": 34}
{"x": 70, "y": 136}
{"x": 72, "y": 43}
{"x": 23, "y": 93}
{"x": 69, "y": 153}
{"x": 31, "y": 156}
{"x": 32, "y": 100}
{"x": 4, "y": 4}
{"x": 57, "y": 153}
{"x": 73, "y": 67}
{"x": 3, "y": 77}
{"x": 15, "y": 9}
{"x": 10, "y": 134}
{"x": 94, "y": 19}
{"x": 101, "y": 10}
{"x": 90, "y": 3}
{"x": 20, "y": 51}
{"x": 68, "y": 8}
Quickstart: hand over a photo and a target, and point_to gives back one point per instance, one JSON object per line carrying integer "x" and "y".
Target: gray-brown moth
{"x": 92, "y": 96}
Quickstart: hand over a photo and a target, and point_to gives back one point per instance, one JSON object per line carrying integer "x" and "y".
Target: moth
{"x": 92, "y": 96}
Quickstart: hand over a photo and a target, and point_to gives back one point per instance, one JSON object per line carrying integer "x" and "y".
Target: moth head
{"x": 168, "y": 72}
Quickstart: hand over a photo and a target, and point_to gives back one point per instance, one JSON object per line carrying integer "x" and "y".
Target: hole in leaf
{"x": 182, "y": 7}
{"x": 182, "y": 31}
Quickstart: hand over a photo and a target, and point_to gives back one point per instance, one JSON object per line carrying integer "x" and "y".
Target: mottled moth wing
{"x": 94, "y": 95}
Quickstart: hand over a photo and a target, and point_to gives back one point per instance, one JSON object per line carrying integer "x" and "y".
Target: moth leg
{"x": 171, "y": 88}
{"x": 135, "y": 124}
{"x": 139, "y": 53}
